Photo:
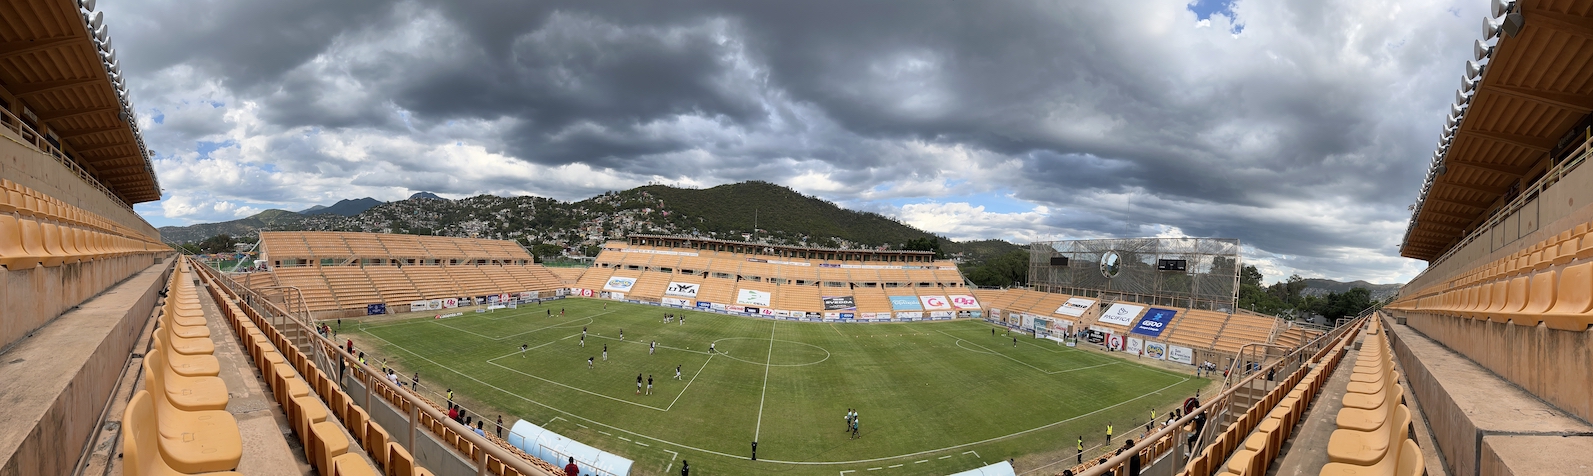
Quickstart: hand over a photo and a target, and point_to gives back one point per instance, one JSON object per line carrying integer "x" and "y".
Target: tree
{"x": 1250, "y": 276}
{"x": 545, "y": 250}
{"x": 1002, "y": 271}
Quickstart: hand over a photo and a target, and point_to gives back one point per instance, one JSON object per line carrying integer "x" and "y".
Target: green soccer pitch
{"x": 932, "y": 397}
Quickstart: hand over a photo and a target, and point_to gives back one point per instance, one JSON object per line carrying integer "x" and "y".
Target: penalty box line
{"x": 1026, "y": 364}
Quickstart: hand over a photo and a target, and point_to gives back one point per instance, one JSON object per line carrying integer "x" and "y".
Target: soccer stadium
{"x": 410, "y": 347}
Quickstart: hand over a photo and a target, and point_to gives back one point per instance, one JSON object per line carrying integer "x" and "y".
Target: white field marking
{"x": 538, "y": 346}
{"x": 605, "y": 433}
{"x": 837, "y": 331}
{"x": 484, "y": 336}
{"x": 959, "y": 344}
{"x": 582, "y": 390}
{"x": 875, "y": 468}
{"x": 661, "y": 346}
{"x": 1026, "y": 364}
{"x": 921, "y": 461}
{"x": 640, "y": 443}
{"x": 583, "y": 426}
{"x": 672, "y": 456}
{"x": 820, "y": 361}
{"x": 688, "y": 382}
{"x": 975, "y": 453}
{"x": 894, "y": 466}
{"x": 728, "y": 455}
{"x": 944, "y": 457}
{"x": 550, "y": 422}
{"x": 766, "y": 361}
{"x": 624, "y": 438}
{"x": 843, "y": 473}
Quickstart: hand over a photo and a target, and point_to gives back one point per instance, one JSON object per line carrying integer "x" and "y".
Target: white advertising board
{"x": 1121, "y": 314}
{"x": 753, "y": 297}
{"x": 1075, "y": 307}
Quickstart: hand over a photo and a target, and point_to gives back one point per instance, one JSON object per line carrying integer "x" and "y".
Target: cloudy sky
{"x": 1299, "y": 127}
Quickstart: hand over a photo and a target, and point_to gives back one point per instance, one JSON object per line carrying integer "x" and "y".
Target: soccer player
{"x": 652, "y": 347}
{"x": 638, "y": 384}
{"x": 589, "y": 362}
{"x": 649, "y": 385}
{"x": 710, "y": 347}
{"x": 677, "y": 372}
{"x": 622, "y": 334}
{"x": 583, "y": 339}
{"x": 855, "y": 424}
{"x": 605, "y": 352}
{"x": 523, "y": 347}
{"x": 1014, "y": 341}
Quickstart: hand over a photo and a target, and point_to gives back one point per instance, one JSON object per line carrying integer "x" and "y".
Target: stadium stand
{"x": 338, "y": 274}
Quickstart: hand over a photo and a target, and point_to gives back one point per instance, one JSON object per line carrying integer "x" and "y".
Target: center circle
{"x": 786, "y": 353}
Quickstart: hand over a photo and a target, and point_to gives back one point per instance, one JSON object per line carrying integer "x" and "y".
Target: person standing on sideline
{"x": 605, "y": 352}
{"x": 1108, "y": 433}
{"x": 1081, "y": 449}
{"x": 450, "y": 396}
{"x": 622, "y": 334}
{"x": 571, "y": 469}
{"x": 649, "y": 385}
{"x": 677, "y": 372}
{"x": 685, "y": 468}
{"x": 848, "y": 420}
{"x": 500, "y": 426}
{"x": 638, "y": 384}
{"x": 992, "y": 332}
{"x": 1014, "y": 341}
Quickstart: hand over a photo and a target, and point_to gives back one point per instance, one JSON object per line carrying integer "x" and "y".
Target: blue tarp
{"x": 553, "y": 448}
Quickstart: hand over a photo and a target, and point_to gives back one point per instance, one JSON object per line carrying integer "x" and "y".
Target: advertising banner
{"x": 832, "y": 315}
{"x": 1156, "y": 350}
{"x": 837, "y": 303}
{"x": 1133, "y": 345}
{"x": 586, "y": 293}
{"x": 848, "y": 315}
{"x": 766, "y": 312}
{"x": 1060, "y": 326}
{"x": 1095, "y": 336}
{"x": 617, "y": 296}
{"x": 619, "y": 284}
{"x": 420, "y": 306}
{"x": 753, "y": 297}
{"x": 374, "y": 309}
{"x": 669, "y": 301}
{"x": 865, "y": 315}
{"x": 905, "y": 303}
{"x": 1075, "y": 307}
{"x": 942, "y": 313}
{"x": 1027, "y": 322}
{"x": 1182, "y": 355}
{"x": 1120, "y": 314}
{"x": 909, "y": 315}
{"x": 963, "y": 301}
{"x": 734, "y": 308}
{"x": 704, "y": 305}
{"x": 449, "y": 303}
{"x": 720, "y": 307}
{"x": 682, "y": 289}
{"x": 935, "y": 303}
{"x": 1154, "y": 321}
{"x": 1114, "y": 342}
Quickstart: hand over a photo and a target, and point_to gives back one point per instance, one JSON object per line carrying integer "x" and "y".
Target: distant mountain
{"x": 311, "y": 210}
{"x": 1321, "y": 287}
{"x": 346, "y": 208}
{"x": 782, "y": 215}
{"x": 425, "y": 195}
{"x": 269, "y": 219}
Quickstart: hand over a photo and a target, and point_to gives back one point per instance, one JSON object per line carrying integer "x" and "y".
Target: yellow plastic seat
{"x": 202, "y": 365}
{"x": 325, "y": 441}
{"x": 185, "y": 345}
{"x": 185, "y": 393}
{"x": 52, "y": 244}
{"x": 21, "y": 247}
{"x": 1408, "y": 461}
{"x": 141, "y": 454}
{"x": 1366, "y": 448}
{"x": 1573, "y": 303}
{"x": 351, "y": 464}
{"x": 194, "y": 441}
{"x": 1539, "y": 299}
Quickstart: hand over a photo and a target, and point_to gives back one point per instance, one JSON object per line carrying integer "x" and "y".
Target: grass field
{"x": 933, "y": 397}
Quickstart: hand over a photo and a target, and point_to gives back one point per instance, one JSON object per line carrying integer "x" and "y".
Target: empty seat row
{"x": 178, "y": 423}
{"x": 1568, "y": 246}
{"x": 25, "y": 201}
{"x": 323, "y": 416}
{"x": 1560, "y": 299}
{"x": 1373, "y": 427}
{"x": 1255, "y": 439}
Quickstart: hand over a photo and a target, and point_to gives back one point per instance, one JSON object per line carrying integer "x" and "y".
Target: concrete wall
{"x": 33, "y": 297}
{"x": 1554, "y": 365}
{"x": 58, "y": 381}
{"x": 27, "y": 166}
{"x": 428, "y": 451}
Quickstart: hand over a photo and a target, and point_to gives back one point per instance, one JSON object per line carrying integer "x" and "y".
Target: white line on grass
{"x": 688, "y": 382}
{"x": 894, "y": 466}
{"x": 728, "y": 455}
{"x": 1026, "y": 364}
{"x": 595, "y": 336}
{"x": 766, "y": 361}
{"x": 578, "y": 389}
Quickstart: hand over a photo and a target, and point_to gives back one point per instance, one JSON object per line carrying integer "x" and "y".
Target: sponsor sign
{"x": 1075, "y": 307}
{"x": 909, "y": 315}
{"x": 733, "y": 308}
{"x": 653, "y": 252}
{"x": 906, "y": 303}
{"x": 865, "y": 315}
{"x": 753, "y": 297}
{"x": 451, "y": 314}
{"x": 719, "y": 307}
{"x": 705, "y": 305}
{"x": 836, "y": 303}
{"x": 617, "y": 296}
{"x": 493, "y": 307}
{"x": 1095, "y": 336}
{"x": 420, "y": 306}
{"x": 1154, "y": 321}
{"x": 586, "y": 293}
{"x": 848, "y": 315}
{"x": 669, "y": 301}
{"x": 449, "y": 303}
{"x": 619, "y": 284}
{"x": 682, "y": 289}
{"x": 1060, "y": 326}
{"x": 935, "y": 303}
{"x": 1120, "y": 314}
{"x": 1133, "y": 345}
{"x": 995, "y": 313}
{"x": 814, "y": 316}
{"x": 765, "y": 311}
{"x": 1114, "y": 342}
{"x": 832, "y": 315}
{"x": 942, "y": 313}
{"x": 374, "y": 309}
{"x": 1182, "y": 355}
{"x": 1156, "y": 350}
{"x": 963, "y": 301}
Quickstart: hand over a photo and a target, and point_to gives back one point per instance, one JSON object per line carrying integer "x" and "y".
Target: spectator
{"x": 500, "y": 426}
{"x": 571, "y": 469}
{"x": 479, "y": 431}
{"x": 453, "y": 412}
{"x": 1133, "y": 458}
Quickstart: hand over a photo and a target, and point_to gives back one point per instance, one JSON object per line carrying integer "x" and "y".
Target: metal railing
{"x": 32, "y": 138}
{"x": 323, "y": 349}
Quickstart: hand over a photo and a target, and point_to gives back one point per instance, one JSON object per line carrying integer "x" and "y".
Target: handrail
{"x": 369, "y": 374}
{"x": 38, "y": 142}
{"x": 1531, "y": 192}
{"x": 1221, "y": 401}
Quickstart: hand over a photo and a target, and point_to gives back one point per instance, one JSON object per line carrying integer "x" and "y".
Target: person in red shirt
{"x": 571, "y": 469}
{"x": 453, "y": 412}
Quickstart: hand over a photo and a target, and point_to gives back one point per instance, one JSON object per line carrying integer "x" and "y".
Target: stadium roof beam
{"x": 71, "y": 133}
{"x": 1477, "y": 188}
{"x": 21, "y": 47}
{"x": 1476, "y": 205}
{"x": 1526, "y": 142}
{"x": 30, "y": 89}
{"x": 1571, "y": 102}
{"x": 59, "y": 114}
{"x": 97, "y": 148}
{"x": 1568, "y": 24}
{"x": 1467, "y": 218}
{"x": 1495, "y": 168}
